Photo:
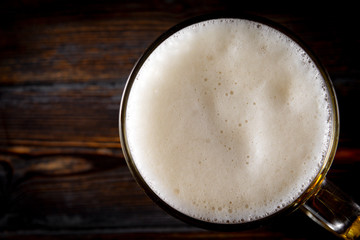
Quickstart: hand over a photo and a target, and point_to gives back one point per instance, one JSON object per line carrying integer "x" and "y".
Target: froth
{"x": 228, "y": 120}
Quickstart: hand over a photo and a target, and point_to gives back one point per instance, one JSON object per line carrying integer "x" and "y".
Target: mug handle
{"x": 334, "y": 210}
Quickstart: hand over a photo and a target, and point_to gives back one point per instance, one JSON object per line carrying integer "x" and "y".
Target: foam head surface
{"x": 228, "y": 120}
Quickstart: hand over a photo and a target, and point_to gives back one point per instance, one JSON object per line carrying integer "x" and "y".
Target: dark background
{"x": 63, "y": 67}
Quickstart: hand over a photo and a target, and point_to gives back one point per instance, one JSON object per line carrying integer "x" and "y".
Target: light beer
{"x": 228, "y": 120}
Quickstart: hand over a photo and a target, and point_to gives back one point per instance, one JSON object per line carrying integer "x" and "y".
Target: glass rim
{"x": 307, "y": 193}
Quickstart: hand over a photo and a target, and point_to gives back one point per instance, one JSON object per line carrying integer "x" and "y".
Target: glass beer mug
{"x": 139, "y": 113}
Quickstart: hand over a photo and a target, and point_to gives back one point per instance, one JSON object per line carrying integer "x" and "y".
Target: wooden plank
{"x": 60, "y": 115}
{"x": 86, "y": 115}
{"x": 72, "y": 43}
{"x": 85, "y": 192}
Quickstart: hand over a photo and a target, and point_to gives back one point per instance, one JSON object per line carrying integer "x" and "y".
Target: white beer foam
{"x": 228, "y": 121}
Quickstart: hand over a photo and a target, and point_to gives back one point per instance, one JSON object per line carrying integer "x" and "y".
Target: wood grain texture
{"x": 63, "y": 67}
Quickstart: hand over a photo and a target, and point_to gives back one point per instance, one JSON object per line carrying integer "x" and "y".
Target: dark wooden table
{"x": 63, "y": 66}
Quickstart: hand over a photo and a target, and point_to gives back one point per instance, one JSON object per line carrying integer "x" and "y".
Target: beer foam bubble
{"x": 228, "y": 121}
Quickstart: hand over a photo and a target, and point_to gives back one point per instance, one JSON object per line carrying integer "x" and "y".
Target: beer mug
{"x": 213, "y": 130}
